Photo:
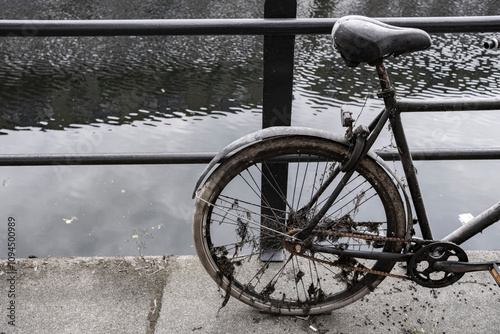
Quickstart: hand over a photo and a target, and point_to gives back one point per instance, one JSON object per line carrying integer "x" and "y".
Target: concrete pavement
{"x": 175, "y": 295}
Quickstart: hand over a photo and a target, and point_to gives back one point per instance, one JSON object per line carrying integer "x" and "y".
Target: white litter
{"x": 465, "y": 218}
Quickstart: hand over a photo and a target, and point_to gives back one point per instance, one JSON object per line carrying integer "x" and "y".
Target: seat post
{"x": 388, "y": 93}
{"x": 385, "y": 83}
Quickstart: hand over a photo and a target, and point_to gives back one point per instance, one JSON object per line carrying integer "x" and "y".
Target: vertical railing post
{"x": 277, "y": 111}
{"x": 278, "y": 67}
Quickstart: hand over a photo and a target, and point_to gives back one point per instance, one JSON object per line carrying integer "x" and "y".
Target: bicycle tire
{"x": 230, "y": 228}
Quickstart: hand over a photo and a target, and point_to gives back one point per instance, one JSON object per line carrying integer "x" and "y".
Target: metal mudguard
{"x": 277, "y": 131}
{"x": 282, "y": 131}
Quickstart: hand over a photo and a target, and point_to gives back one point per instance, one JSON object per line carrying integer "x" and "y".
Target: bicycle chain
{"x": 365, "y": 237}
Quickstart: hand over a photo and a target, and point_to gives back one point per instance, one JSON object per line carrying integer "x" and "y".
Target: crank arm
{"x": 383, "y": 256}
{"x": 463, "y": 267}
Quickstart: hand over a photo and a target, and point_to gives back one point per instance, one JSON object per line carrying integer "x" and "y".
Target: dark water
{"x": 198, "y": 93}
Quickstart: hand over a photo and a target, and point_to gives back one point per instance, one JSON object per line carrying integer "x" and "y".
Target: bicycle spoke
{"x": 246, "y": 213}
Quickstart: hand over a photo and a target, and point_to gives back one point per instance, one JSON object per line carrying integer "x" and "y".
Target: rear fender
{"x": 255, "y": 137}
{"x": 282, "y": 131}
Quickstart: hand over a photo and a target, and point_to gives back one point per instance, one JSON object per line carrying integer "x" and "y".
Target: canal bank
{"x": 175, "y": 295}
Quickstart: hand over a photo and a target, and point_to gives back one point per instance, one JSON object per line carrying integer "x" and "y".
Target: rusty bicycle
{"x": 300, "y": 221}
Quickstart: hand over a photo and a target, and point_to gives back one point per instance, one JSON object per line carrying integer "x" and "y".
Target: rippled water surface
{"x": 197, "y": 94}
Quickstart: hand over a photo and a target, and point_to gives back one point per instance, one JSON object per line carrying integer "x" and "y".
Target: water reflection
{"x": 197, "y": 93}
{"x": 53, "y": 83}
{"x": 396, "y": 8}
{"x": 121, "y": 80}
{"x": 125, "y": 80}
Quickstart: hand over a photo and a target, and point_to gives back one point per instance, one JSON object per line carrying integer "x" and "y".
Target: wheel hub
{"x": 292, "y": 245}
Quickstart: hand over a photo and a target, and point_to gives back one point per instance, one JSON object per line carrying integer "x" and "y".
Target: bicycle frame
{"x": 392, "y": 113}
{"x": 270, "y": 236}
{"x": 484, "y": 219}
{"x": 480, "y": 222}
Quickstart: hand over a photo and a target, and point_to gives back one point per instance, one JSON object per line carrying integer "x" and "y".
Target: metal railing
{"x": 279, "y": 28}
{"x": 269, "y": 26}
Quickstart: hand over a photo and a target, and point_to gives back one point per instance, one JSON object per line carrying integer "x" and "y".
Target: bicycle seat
{"x": 361, "y": 39}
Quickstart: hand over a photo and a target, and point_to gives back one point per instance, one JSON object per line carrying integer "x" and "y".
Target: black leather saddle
{"x": 361, "y": 39}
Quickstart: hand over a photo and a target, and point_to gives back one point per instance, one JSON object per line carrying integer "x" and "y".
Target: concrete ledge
{"x": 84, "y": 295}
{"x": 175, "y": 295}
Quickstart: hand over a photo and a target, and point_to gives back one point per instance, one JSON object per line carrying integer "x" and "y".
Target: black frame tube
{"x": 383, "y": 256}
{"x": 411, "y": 176}
{"x": 475, "y": 226}
{"x": 389, "y": 95}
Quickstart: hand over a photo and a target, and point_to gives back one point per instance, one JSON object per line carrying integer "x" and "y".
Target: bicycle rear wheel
{"x": 252, "y": 201}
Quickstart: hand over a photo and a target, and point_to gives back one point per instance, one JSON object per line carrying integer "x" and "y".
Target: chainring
{"x": 421, "y": 266}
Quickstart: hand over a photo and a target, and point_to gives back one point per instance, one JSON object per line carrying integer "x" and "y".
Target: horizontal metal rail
{"x": 268, "y": 26}
{"x": 445, "y": 154}
{"x": 449, "y": 104}
{"x": 104, "y": 159}
{"x": 206, "y": 157}
{"x": 44, "y": 28}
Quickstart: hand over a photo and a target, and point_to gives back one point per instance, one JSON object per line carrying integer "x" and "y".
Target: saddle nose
{"x": 361, "y": 39}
